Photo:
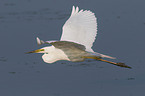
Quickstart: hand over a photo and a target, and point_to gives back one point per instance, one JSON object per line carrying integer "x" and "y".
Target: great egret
{"x": 78, "y": 35}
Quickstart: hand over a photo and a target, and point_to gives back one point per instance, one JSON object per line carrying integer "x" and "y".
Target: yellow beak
{"x": 36, "y": 51}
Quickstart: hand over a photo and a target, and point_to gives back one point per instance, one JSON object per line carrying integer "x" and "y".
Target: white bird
{"x": 78, "y": 34}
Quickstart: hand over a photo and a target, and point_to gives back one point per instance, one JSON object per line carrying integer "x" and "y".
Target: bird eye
{"x": 41, "y": 49}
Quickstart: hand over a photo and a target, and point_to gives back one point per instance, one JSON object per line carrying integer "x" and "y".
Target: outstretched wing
{"x": 80, "y": 28}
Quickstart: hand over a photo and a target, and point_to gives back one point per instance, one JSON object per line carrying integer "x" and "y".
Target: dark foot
{"x": 122, "y": 65}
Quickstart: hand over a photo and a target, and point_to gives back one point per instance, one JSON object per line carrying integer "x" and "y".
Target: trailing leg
{"x": 114, "y": 63}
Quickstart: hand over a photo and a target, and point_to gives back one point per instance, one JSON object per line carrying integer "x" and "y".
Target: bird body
{"x": 66, "y": 50}
{"x": 78, "y": 35}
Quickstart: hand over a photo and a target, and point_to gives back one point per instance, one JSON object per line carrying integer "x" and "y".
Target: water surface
{"x": 121, "y": 31}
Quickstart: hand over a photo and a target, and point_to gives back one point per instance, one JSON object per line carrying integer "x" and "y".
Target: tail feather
{"x": 106, "y": 56}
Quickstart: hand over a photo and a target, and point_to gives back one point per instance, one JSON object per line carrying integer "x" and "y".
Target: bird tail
{"x": 110, "y": 62}
{"x": 102, "y": 55}
{"x": 106, "y": 56}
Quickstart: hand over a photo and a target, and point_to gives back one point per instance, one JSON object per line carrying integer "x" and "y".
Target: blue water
{"x": 121, "y": 31}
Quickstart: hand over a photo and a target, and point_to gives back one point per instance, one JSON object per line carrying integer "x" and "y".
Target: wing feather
{"x": 80, "y": 28}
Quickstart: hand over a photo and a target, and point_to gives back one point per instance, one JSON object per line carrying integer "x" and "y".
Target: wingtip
{"x": 73, "y": 7}
{"x": 39, "y": 42}
{"x": 77, "y": 10}
{"x": 74, "y": 10}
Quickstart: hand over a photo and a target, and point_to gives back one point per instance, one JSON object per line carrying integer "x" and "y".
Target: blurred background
{"x": 121, "y": 32}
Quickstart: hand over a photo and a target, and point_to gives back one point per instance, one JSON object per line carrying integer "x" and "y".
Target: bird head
{"x": 48, "y": 54}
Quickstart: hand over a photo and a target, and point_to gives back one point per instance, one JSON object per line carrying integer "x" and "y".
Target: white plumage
{"x": 78, "y": 34}
{"x": 53, "y": 55}
{"x": 81, "y": 28}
